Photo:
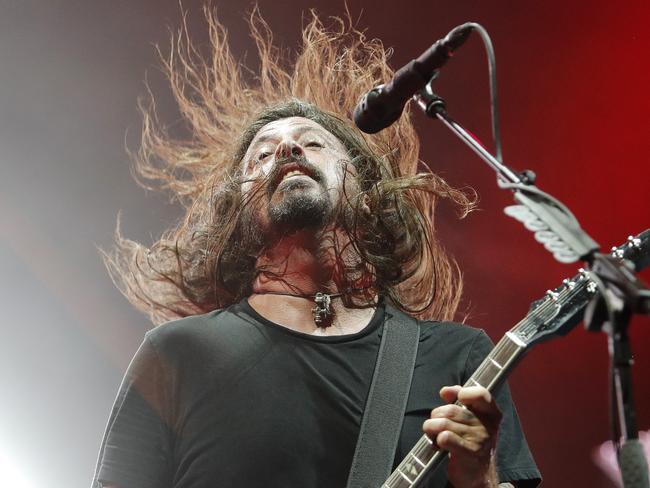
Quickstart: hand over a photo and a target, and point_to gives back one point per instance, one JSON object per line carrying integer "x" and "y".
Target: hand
{"x": 469, "y": 433}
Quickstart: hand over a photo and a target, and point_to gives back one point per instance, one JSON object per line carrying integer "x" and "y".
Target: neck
{"x": 295, "y": 313}
{"x": 291, "y": 272}
{"x": 295, "y": 266}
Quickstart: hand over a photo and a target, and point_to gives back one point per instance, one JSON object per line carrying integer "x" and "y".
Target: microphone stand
{"x": 554, "y": 225}
{"x": 622, "y": 294}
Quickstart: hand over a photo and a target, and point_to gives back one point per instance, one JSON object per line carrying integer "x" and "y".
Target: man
{"x": 261, "y": 384}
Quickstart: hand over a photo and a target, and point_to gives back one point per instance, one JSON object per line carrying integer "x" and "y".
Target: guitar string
{"x": 423, "y": 448}
{"x": 423, "y": 445}
{"x": 579, "y": 284}
{"x": 550, "y": 305}
{"x": 526, "y": 326}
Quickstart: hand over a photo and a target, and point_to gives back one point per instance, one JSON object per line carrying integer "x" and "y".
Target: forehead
{"x": 292, "y": 126}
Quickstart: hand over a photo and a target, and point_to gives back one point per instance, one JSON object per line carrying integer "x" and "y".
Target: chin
{"x": 300, "y": 210}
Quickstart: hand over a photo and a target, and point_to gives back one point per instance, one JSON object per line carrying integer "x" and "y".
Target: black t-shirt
{"x": 231, "y": 399}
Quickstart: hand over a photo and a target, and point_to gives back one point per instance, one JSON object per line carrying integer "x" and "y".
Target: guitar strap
{"x": 384, "y": 413}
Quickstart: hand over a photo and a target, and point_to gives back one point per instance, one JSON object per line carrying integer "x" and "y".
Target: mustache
{"x": 302, "y": 164}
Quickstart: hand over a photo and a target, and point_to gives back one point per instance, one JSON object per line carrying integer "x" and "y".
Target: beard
{"x": 268, "y": 215}
{"x": 297, "y": 203}
{"x": 299, "y": 208}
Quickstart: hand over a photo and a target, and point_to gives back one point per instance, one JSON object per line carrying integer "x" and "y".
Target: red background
{"x": 573, "y": 84}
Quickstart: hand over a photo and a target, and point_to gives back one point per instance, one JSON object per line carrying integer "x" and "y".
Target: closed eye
{"x": 262, "y": 156}
{"x": 314, "y": 144}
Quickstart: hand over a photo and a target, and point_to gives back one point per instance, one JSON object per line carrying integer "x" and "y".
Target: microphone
{"x": 383, "y": 105}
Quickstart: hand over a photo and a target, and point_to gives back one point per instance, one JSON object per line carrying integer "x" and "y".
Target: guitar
{"x": 557, "y": 313}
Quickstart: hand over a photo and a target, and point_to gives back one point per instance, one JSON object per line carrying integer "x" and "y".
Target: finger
{"x": 482, "y": 404}
{"x": 450, "y": 393}
{"x": 480, "y": 401}
{"x": 457, "y": 413}
{"x": 433, "y": 427}
{"x": 476, "y": 395}
{"x": 458, "y": 445}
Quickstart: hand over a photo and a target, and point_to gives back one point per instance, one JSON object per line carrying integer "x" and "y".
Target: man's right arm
{"x": 136, "y": 446}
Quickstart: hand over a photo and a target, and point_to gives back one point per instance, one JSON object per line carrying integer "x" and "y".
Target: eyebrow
{"x": 301, "y": 130}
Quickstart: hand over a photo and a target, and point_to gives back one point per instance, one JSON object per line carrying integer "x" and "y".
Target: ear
{"x": 365, "y": 205}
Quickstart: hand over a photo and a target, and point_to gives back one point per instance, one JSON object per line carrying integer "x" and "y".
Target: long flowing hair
{"x": 207, "y": 260}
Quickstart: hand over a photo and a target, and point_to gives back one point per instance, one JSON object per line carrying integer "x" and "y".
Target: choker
{"x": 322, "y": 312}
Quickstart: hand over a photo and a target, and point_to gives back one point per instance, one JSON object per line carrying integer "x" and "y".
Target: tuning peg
{"x": 569, "y": 283}
{"x": 552, "y": 295}
{"x": 617, "y": 252}
{"x": 633, "y": 241}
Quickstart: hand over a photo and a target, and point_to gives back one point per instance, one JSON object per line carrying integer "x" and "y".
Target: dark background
{"x": 573, "y": 81}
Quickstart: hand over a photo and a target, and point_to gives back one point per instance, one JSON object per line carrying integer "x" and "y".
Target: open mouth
{"x": 291, "y": 174}
{"x": 291, "y": 170}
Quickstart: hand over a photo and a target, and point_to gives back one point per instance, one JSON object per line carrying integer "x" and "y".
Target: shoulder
{"x": 437, "y": 331}
{"x": 450, "y": 332}
{"x": 446, "y": 345}
{"x": 184, "y": 328}
{"x": 222, "y": 333}
{"x": 224, "y": 321}
{"x": 211, "y": 348}
{"x": 451, "y": 345}
{"x": 445, "y": 356}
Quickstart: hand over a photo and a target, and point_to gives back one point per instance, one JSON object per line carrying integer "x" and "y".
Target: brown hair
{"x": 207, "y": 261}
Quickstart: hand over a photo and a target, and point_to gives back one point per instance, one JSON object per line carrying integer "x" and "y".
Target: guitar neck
{"x": 425, "y": 456}
{"x": 556, "y": 314}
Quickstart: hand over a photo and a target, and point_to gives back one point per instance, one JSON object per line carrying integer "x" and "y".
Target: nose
{"x": 288, "y": 149}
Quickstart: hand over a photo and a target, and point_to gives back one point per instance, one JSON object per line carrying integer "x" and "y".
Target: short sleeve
{"x": 515, "y": 463}
{"x": 135, "y": 451}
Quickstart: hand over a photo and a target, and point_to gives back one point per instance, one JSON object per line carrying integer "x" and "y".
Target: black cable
{"x": 492, "y": 72}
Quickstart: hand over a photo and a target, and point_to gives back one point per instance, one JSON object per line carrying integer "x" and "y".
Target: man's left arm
{"x": 469, "y": 437}
{"x": 486, "y": 433}
{"x": 469, "y": 433}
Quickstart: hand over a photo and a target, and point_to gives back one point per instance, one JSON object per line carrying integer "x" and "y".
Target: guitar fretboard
{"x": 425, "y": 456}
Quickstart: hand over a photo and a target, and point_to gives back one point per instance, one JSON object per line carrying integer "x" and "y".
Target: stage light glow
{"x": 11, "y": 475}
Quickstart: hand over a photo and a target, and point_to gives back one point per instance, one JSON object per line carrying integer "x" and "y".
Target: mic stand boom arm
{"x": 622, "y": 294}
{"x": 553, "y": 224}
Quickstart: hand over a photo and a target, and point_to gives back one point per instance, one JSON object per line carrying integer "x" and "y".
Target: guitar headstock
{"x": 636, "y": 249}
{"x": 561, "y": 309}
